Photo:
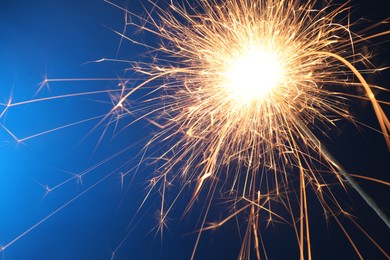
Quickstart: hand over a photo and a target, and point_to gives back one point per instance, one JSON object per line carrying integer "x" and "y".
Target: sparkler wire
{"x": 324, "y": 151}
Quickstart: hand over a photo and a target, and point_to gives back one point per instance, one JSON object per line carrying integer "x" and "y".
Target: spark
{"x": 242, "y": 92}
{"x": 247, "y": 89}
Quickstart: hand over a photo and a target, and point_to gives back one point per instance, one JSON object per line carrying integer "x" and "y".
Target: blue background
{"x": 57, "y": 39}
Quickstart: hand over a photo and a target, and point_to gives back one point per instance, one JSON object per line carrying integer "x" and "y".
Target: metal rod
{"x": 370, "y": 201}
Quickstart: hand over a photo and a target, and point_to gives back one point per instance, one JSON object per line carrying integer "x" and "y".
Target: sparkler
{"x": 248, "y": 86}
{"x": 242, "y": 92}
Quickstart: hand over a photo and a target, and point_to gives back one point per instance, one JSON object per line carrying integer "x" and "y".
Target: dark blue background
{"x": 55, "y": 39}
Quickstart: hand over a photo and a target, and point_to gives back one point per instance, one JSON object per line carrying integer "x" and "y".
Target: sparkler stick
{"x": 324, "y": 151}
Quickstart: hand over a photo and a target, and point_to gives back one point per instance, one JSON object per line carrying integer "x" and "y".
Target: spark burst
{"x": 248, "y": 89}
{"x": 242, "y": 92}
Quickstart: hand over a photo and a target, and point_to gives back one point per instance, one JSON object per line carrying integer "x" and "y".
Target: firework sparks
{"x": 242, "y": 92}
{"x": 243, "y": 83}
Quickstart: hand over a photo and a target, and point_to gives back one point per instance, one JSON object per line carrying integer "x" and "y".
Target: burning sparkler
{"x": 242, "y": 92}
{"x": 247, "y": 88}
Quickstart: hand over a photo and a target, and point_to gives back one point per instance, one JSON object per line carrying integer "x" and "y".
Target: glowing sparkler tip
{"x": 253, "y": 74}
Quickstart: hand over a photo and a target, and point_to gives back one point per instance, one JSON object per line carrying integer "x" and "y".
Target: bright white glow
{"x": 252, "y": 75}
